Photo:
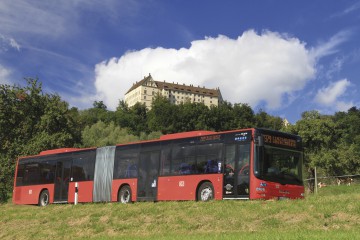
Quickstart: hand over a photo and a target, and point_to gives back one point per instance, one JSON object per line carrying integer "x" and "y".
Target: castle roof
{"x": 177, "y": 87}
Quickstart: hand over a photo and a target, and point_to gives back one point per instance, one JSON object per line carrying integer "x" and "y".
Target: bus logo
{"x": 228, "y": 187}
{"x": 181, "y": 183}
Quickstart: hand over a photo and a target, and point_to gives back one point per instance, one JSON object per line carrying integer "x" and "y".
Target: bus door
{"x": 148, "y": 176}
{"x": 236, "y": 171}
{"x": 62, "y": 178}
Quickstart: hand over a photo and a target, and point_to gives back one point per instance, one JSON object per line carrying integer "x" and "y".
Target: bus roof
{"x": 60, "y": 150}
{"x": 186, "y": 135}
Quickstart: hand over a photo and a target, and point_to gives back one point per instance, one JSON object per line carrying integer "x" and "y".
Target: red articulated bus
{"x": 200, "y": 165}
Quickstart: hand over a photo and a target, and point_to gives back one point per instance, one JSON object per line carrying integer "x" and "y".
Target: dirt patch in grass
{"x": 79, "y": 221}
{"x": 347, "y": 217}
{"x": 104, "y": 219}
{"x": 292, "y": 218}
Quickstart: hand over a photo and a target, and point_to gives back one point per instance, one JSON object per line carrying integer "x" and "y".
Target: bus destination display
{"x": 281, "y": 141}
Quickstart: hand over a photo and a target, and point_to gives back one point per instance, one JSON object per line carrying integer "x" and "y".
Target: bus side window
{"x": 211, "y": 166}
{"x": 131, "y": 171}
{"x": 126, "y": 163}
{"x": 83, "y": 166}
{"x": 165, "y": 160}
{"x": 183, "y": 159}
{"x": 20, "y": 175}
{"x": 208, "y": 157}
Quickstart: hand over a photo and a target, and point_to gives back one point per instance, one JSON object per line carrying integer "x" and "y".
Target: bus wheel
{"x": 44, "y": 198}
{"x": 124, "y": 195}
{"x": 205, "y": 192}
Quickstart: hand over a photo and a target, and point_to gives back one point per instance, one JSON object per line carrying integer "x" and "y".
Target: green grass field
{"x": 334, "y": 213}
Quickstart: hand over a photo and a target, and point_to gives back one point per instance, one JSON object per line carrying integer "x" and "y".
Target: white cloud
{"x": 4, "y": 75}
{"x": 335, "y": 67}
{"x": 353, "y": 8}
{"x": 329, "y": 95}
{"x": 253, "y": 68}
{"x": 6, "y": 43}
{"x": 330, "y": 47}
{"x": 14, "y": 44}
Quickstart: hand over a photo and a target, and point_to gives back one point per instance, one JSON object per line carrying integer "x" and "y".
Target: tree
{"x": 102, "y": 134}
{"x": 138, "y": 119}
{"x": 105, "y": 134}
{"x": 221, "y": 117}
{"x": 123, "y": 115}
{"x": 319, "y": 141}
{"x": 348, "y": 141}
{"x": 97, "y": 113}
{"x": 243, "y": 116}
{"x": 163, "y": 116}
{"x": 133, "y": 118}
{"x": 31, "y": 121}
{"x": 192, "y": 116}
{"x": 348, "y": 124}
{"x": 99, "y": 105}
{"x": 264, "y": 120}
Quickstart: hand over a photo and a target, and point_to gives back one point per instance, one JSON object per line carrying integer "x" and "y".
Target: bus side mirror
{"x": 260, "y": 141}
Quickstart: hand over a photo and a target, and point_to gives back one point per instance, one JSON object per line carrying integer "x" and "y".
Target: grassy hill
{"x": 334, "y": 213}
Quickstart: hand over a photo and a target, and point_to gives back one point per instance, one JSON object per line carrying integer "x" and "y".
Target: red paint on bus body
{"x": 185, "y": 187}
{"x": 118, "y": 183}
{"x": 85, "y": 191}
{"x": 60, "y": 150}
{"x": 31, "y": 194}
{"x": 271, "y": 190}
{"x": 186, "y": 135}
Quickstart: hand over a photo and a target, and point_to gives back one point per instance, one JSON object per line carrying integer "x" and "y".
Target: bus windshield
{"x": 279, "y": 165}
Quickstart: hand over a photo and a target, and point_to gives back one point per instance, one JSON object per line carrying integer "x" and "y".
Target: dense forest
{"x": 32, "y": 121}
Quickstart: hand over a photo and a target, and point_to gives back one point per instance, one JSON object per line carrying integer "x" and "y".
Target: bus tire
{"x": 205, "y": 192}
{"x": 124, "y": 195}
{"x": 44, "y": 198}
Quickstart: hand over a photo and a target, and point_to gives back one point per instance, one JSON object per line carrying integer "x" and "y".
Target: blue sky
{"x": 284, "y": 57}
